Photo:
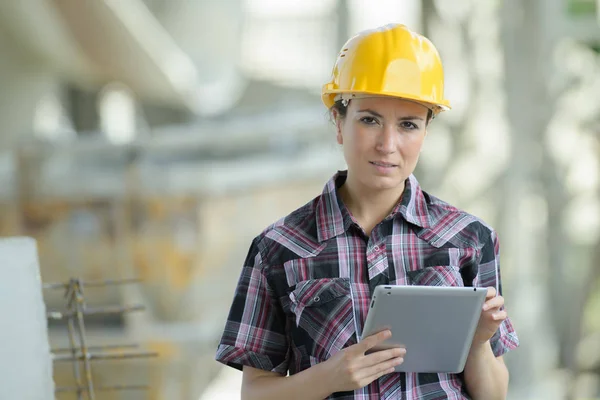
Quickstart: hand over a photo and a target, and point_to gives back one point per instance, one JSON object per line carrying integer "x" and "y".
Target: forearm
{"x": 486, "y": 377}
{"x": 305, "y": 385}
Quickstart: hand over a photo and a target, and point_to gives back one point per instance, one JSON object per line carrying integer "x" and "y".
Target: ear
{"x": 338, "y": 127}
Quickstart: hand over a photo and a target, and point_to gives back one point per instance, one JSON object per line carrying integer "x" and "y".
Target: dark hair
{"x": 342, "y": 110}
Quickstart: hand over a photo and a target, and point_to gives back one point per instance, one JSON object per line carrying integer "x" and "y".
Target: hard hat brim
{"x": 328, "y": 98}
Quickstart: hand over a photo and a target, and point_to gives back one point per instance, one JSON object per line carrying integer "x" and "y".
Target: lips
{"x": 383, "y": 164}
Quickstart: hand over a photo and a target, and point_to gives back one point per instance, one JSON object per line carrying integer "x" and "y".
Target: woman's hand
{"x": 351, "y": 368}
{"x": 491, "y": 317}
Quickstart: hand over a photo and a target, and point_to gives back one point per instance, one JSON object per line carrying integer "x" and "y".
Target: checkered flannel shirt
{"x": 305, "y": 287}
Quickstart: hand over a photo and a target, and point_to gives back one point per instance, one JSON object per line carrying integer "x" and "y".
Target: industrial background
{"x": 153, "y": 139}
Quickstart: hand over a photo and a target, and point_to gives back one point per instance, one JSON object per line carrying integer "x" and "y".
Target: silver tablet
{"x": 435, "y": 324}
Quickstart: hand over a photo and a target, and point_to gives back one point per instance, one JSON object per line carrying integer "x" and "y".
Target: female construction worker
{"x": 305, "y": 287}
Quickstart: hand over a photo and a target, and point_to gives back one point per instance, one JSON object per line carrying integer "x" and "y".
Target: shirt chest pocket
{"x": 324, "y": 317}
{"x": 442, "y": 275}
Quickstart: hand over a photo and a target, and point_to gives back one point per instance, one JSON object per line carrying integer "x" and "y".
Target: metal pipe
{"x": 107, "y": 347}
{"x": 102, "y": 388}
{"x": 58, "y": 315}
{"x": 76, "y": 372}
{"x": 106, "y": 282}
{"x": 104, "y": 356}
{"x": 78, "y": 299}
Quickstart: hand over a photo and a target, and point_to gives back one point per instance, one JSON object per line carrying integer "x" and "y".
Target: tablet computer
{"x": 435, "y": 324}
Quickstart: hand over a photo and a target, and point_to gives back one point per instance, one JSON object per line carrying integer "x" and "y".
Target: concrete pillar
{"x": 24, "y": 82}
{"x": 528, "y": 40}
{"x": 25, "y": 364}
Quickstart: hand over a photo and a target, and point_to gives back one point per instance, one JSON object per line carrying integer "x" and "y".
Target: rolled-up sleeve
{"x": 254, "y": 333}
{"x": 488, "y": 275}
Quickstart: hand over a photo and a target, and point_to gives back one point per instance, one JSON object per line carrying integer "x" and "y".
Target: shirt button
{"x": 376, "y": 248}
{"x": 317, "y": 299}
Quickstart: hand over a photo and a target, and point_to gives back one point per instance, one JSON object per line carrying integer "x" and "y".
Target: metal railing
{"x": 79, "y": 352}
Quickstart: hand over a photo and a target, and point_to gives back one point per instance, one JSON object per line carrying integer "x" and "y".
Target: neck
{"x": 368, "y": 206}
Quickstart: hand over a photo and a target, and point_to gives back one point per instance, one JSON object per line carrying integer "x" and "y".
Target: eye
{"x": 368, "y": 120}
{"x": 409, "y": 125}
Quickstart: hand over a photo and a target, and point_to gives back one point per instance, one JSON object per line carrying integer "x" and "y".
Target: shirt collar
{"x": 413, "y": 206}
{"x": 333, "y": 218}
{"x": 330, "y": 220}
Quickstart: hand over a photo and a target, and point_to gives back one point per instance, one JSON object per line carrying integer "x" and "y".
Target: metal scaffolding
{"x": 79, "y": 352}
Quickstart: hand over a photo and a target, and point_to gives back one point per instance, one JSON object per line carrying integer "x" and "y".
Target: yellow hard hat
{"x": 388, "y": 61}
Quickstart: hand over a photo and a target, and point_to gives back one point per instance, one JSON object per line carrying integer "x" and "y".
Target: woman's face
{"x": 382, "y": 139}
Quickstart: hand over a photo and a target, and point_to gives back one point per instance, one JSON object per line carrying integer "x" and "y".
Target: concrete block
{"x": 25, "y": 361}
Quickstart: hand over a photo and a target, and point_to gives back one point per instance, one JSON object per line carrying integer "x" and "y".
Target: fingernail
{"x": 485, "y": 307}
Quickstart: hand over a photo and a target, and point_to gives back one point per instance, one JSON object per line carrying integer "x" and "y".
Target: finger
{"x": 373, "y": 340}
{"x": 493, "y": 318}
{"x": 491, "y": 292}
{"x": 499, "y": 316}
{"x": 377, "y": 371}
{"x": 381, "y": 356}
{"x": 495, "y": 302}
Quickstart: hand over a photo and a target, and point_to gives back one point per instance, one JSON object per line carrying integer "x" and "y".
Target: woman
{"x": 305, "y": 287}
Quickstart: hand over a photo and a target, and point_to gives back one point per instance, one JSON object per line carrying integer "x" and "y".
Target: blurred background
{"x": 156, "y": 138}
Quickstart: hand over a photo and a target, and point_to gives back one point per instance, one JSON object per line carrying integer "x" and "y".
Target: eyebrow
{"x": 376, "y": 114}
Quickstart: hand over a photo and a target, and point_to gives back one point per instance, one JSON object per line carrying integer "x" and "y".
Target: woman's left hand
{"x": 491, "y": 317}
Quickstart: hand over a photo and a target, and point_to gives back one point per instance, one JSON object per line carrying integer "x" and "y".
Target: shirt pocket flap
{"x": 313, "y": 293}
{"x": 439, "y": 275}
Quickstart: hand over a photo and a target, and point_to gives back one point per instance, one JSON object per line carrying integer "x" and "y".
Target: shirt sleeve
{"x": 255, "y": 330}
{"x": 488, "y": 275}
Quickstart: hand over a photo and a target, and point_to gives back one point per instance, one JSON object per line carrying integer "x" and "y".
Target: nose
{"x": 386, "y": 141}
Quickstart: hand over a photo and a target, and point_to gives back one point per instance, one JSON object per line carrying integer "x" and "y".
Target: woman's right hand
{"x": 351, "y": 368}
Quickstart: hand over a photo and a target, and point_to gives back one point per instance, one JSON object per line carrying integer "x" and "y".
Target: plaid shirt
{"x": 306, "y": 285}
